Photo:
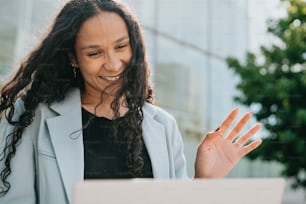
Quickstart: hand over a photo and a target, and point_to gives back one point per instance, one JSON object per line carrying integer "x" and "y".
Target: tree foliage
{"x": 277, "y": 87}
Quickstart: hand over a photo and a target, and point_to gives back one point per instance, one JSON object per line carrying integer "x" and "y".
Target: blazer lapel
{"x": 154, "y": 135}
{"x": 67, "y": 139}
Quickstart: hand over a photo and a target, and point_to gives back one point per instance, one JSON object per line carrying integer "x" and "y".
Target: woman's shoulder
{"x": 19, "y": 108}
{"x": 157, "y": 112}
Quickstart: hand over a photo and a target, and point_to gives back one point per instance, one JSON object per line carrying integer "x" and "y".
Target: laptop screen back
{"x": 199, "y": 191}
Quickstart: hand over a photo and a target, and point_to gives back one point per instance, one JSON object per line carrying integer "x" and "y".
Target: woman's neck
{"x": 101, "y": 106}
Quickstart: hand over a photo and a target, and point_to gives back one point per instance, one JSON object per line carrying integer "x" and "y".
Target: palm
{"x": 217, "y": 154}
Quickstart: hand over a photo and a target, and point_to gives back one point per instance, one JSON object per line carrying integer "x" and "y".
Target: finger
{"x": 228, "y": 121}
{"x": 245, "y": 138}
{"x": 238, "y": 127}
{"x": 247, "y": 149}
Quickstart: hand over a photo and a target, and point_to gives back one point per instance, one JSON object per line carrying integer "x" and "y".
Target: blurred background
{"x": 189, "y": 44}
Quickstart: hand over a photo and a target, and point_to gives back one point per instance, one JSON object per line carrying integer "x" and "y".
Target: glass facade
{"x": 21, "y": 24}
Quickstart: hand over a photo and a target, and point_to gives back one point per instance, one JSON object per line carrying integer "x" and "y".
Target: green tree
{"x": 277, "y": 87}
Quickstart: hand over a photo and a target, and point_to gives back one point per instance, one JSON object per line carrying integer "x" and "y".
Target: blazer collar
{"x": 155, "y": 139}
{"x": 67, "y": 139}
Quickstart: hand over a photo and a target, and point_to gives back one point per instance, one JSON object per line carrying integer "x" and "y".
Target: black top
{"x": 104, "y": 156}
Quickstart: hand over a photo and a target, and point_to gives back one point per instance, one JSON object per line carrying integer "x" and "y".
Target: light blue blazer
{"x": 50, "y": 160}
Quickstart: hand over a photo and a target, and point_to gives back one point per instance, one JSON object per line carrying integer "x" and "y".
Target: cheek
{"x": 88, "y": 69}
{"x": 128, "y": 57}
{"x": 88, "y": 66}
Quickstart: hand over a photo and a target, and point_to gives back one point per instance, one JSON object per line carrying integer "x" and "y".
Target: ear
{"x": 73, "y": 60}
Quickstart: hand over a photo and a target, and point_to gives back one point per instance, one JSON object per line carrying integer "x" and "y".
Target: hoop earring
{"x": 74, "y": 67}
{"x": 74, "y": 72}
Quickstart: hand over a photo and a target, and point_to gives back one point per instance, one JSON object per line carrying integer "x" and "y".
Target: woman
{"x": 80, "y": 107}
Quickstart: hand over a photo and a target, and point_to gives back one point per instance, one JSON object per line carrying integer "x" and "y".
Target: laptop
{"x": 199, "y": 191}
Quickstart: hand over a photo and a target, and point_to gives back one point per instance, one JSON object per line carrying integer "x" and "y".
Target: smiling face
{"x": 103, "y": 52}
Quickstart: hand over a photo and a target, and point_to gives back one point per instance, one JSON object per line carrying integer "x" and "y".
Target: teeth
{"x": 111, "y": 78}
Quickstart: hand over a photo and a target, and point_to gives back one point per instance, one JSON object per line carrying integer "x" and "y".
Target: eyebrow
{"x": 97, "y": 46}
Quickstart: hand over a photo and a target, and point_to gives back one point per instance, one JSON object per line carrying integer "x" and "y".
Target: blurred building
{"x": 187, "y": 43}
{"x": 22, "y": 22}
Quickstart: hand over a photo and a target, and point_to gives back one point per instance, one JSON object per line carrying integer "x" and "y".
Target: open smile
{"x": 111, "y": 78}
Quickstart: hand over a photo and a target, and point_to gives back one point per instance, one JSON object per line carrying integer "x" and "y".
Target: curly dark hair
{"x": 46, "y": 76}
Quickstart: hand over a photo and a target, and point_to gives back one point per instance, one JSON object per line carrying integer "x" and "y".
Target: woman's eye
{"x": 93, "y": 54}
{"x": 121, "y": 46}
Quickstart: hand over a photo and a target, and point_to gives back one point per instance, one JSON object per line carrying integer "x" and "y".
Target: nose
{"x": 112, "y": 63}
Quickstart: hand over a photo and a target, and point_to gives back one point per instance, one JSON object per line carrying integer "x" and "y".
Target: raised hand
{"x": 218, "y": 153}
